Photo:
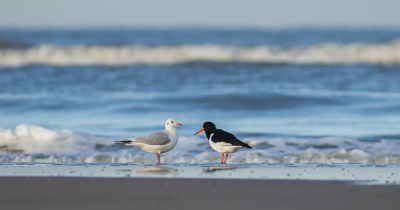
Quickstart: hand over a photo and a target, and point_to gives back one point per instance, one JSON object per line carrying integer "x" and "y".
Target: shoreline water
{"x": 356, "y": 174}
{"x": 30, "y": 143}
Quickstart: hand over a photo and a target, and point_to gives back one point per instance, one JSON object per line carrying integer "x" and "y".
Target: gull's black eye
{"x": 172, "y": 121}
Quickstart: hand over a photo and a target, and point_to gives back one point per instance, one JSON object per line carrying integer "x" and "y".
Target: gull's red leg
{"x": 158, "y": 158}
{"x": 222, "y": 161}
{"x": 226, "y": 157}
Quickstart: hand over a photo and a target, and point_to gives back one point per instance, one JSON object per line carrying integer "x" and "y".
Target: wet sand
{"x": 151, "y": 193}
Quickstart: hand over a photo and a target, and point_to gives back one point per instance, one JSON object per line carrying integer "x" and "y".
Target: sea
{"x": 301, "y": 95}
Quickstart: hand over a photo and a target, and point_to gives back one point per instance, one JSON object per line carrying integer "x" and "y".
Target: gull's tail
{"x": 130, "y": 143}
{"x": 123, "y": 142}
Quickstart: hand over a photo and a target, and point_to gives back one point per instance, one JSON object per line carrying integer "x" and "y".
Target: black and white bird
{"x": 222, "y": 141}
{"x": 157, "y": 143}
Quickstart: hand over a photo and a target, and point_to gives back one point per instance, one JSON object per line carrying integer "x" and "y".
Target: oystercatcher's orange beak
{"x": 178, "y": 124}
{"x": 199, "y": 131}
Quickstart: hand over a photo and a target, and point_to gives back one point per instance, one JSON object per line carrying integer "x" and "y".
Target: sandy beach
{"x": 143, "y": 193}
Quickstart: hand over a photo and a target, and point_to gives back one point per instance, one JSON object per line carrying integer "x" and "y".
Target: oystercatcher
{"x": 222, "y": 141}
{"x": 157, "y": 143}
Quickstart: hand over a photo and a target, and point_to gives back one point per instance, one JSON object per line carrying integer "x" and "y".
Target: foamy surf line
{"x": 380, "y": 53}
{"x": 31, "y": 143}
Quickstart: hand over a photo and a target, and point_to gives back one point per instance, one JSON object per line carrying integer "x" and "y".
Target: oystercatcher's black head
{"x": 207, "y": 126}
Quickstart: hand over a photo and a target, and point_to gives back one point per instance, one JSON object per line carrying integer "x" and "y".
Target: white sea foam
{"x": 30, "y": 139}
{"x": 380, "y": 53}
{"x": 30, "y": 143}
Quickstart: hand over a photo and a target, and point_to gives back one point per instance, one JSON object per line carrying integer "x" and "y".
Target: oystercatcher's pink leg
{"x": 226, "y": 157}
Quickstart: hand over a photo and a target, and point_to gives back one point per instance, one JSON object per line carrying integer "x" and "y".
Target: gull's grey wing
{"x": 159, "y": 138}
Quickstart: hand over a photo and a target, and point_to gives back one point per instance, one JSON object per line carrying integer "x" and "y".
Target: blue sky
{"x": 194, "y": 13}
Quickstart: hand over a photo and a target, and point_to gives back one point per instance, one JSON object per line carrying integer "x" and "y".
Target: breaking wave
{"x": 380, "y": 53}
{"x": 31, "y": 143}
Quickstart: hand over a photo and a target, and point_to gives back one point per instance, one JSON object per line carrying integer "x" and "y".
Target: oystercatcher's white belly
{"x": 223, "y": 147}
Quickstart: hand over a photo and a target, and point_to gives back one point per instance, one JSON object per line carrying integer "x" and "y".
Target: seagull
{"x": 157, "y": 143}
{"x": 222, "y": 141}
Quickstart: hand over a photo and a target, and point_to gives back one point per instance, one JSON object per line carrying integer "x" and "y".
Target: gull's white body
{"x": 157, "y": 143}
{"x": 172, "y": 134}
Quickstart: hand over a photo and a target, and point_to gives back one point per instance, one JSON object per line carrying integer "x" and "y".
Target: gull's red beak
{"x": 178, "y": 124}
{"x": 199, "y": 131}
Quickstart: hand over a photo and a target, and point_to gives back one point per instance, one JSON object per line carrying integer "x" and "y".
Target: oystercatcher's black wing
{"x": 223, "y": 136}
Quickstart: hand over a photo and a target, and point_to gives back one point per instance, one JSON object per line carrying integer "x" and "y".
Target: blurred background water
{"x": 301, "y": 95}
